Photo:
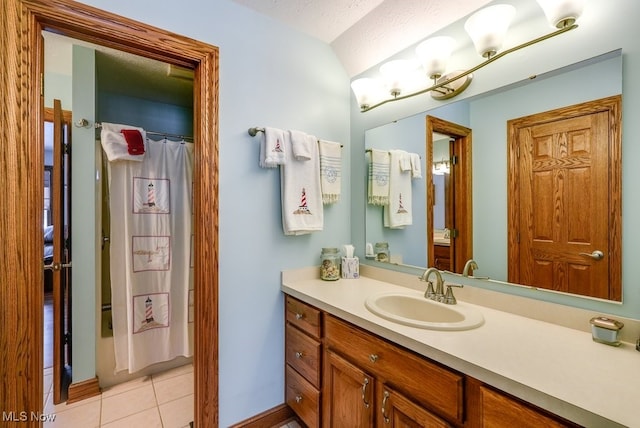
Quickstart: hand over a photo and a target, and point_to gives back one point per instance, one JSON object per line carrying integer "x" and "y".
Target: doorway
{"x": 451, "y": 192}
{"x": 22, "y": 297}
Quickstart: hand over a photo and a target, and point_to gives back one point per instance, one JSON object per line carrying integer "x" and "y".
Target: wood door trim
{"x": 21, "y": 175}
{"x": 613, "y": 106}
{"x": 463, "y": 198}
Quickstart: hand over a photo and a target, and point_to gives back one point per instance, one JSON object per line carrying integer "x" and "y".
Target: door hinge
{"x": 42, "y": 84}
{"x": 454, "y": 160}
{"x": 454, "y": 233}
{"x": 67, "y": 338}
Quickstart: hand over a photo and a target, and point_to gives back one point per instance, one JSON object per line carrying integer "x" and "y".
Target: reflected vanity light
{"x": 487, "y": 28}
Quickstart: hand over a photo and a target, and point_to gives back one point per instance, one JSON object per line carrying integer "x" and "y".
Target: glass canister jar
{"x": 381, "y": 250}
{"x": 329, "y": 264}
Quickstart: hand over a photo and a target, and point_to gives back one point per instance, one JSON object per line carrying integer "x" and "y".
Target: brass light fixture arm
{"x": 474, "y": 69}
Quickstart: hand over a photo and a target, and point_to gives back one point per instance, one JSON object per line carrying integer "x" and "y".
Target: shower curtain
{"x": 151, "y": 255}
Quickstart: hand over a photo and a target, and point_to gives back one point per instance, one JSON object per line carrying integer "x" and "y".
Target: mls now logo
{"x": 27, "y": 416}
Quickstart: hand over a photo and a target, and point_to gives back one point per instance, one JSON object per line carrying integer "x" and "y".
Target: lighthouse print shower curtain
{"x": 151, "y": 255}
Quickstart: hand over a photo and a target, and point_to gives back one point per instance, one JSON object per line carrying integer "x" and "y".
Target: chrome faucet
{"x": 438, "y": 294}
{"x": 471, "y": 265}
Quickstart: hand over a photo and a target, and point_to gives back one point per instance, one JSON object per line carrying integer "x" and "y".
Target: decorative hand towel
{"x": 115, "y": 144}
{"x": 378, "y": 189}
{"x": 397, "y": 213}
{"x": 271, "y": 150}
{"x": 301, "y": 192}
{"x": 330, "y": 170}
{"x": 135, "y": 144}
{"x": 416, "y": 165}
{"x": 302, "y": 148}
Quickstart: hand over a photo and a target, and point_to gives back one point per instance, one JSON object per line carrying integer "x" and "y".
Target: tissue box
{"x": 350, "y": 267}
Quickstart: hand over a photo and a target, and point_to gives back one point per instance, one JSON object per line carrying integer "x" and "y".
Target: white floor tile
{"x": 173, "y": 388}
{"x": 126, "y": 386}
{"x": 177, "y": 413}
{"x": 86, "y": 415}
{"x": 127, "y": 403}
{"x": 188, "y": 368}
{"x": 149, "y": 418}
{"x": 50, "y": 408}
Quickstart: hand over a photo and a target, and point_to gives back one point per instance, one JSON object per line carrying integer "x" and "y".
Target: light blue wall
{"x": 604, "y": 27}
{"x": 269, "y": 76}
{"x": 84, "y": 240}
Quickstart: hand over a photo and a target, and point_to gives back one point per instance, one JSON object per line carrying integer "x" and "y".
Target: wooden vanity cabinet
{"x": 303, "y": 358}
{"x": 339, "y": 375}
{"x": 442, "y": 257}
{"x": 437, "y": 393}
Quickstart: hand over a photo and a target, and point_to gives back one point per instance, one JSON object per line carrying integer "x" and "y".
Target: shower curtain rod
{"x": 164, "y": 134}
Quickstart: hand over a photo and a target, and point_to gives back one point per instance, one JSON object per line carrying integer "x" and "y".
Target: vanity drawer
{"x": 303, "y": 316}
{"x": 303, "y": 354}
{"x": 431, "y": 385}
{"x": 303, "y": 398}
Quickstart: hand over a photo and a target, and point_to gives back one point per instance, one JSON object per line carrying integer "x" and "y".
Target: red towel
{"x": 134, "y": 141}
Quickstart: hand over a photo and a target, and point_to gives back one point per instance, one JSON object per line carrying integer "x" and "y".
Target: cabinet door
{"x": 348, "y": 394}
{"x": 397, "y": 411}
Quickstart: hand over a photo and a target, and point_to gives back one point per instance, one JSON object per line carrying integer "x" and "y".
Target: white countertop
{"x": 554, "y": 367}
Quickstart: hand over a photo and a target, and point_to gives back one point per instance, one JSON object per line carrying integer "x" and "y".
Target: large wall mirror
{"x": 487, "y": 117}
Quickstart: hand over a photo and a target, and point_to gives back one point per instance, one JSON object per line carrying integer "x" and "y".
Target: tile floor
{"x": 164, "y": 400}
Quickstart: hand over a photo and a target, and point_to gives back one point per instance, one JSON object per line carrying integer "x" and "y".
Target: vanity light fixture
{"x": 487, "y": 28}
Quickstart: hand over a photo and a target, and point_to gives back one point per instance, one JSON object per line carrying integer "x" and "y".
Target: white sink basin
{"x": 414, "y": 310}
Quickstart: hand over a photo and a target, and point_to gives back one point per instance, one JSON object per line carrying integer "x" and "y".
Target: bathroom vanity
{"x": 346, "y": 366}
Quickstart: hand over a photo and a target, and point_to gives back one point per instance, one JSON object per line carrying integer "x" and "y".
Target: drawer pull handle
{"x": 298, "y": 398}
{"x": 365, "y": 383}
{"x": 299, "y": 355}
{"x": 373, "y": 358}
{"x": 385, "y": 398}
{"x": 299, "y": 316}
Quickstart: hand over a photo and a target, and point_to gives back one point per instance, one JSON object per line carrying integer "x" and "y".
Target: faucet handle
{"x": 430, "y": 294}
{"x": 449, "y": 298}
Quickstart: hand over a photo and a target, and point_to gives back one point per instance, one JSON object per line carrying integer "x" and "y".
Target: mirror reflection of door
{"x": 564, "y": 200}
{"x": 449, "y": 207}
{"x": 442, "y": 211}
{"x": 57, "y": 251}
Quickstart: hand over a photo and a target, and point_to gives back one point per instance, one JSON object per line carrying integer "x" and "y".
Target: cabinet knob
{"x": 299, "y": 355}
{"x": 298, "y": 398}
{"x": 373, "y": 358}
{"x": 299, "y": 316}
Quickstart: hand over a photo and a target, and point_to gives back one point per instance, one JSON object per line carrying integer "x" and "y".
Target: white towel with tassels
{"x": 271, "y": 151}
{"x": 398, "y": 213}
{"x": 301, "y": 193}
{"x": 378, "y": 188}
{"x": 330, "y": 170}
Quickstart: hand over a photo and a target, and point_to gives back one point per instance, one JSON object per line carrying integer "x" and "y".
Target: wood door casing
{"x": 21, "y": 178}
{"x": 460, "y": 197}
{"x": 564, "y": 199}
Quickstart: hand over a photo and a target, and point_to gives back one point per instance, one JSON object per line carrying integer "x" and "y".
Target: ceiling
{"x": 364, "y": 33}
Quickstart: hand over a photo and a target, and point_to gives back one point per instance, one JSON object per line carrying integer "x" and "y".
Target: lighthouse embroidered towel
{"x": 301, "y": 192}
{"x": 330, "y": 170}
{"x": 115, "y": 144}
{"x": 271, "y": 150}
{"x": 397, "y": 213}
{"x": 378, "y": 189}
